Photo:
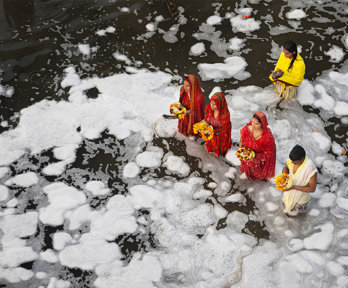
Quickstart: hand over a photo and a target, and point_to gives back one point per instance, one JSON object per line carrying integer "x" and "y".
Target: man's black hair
{"x": 297, "y": 153}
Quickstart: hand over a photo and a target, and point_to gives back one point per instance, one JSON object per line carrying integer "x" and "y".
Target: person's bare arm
{"x": 310, "y": 187}
{"x": 286, "y": 169}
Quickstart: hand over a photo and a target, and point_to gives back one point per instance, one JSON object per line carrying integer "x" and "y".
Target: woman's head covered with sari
{"x": 261, "y": 117}
{"x": 220, "y": 101}
{"x": 193, "y": 100}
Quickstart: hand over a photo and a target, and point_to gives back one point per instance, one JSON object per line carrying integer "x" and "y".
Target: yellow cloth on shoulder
{"x": 295, "y": 75}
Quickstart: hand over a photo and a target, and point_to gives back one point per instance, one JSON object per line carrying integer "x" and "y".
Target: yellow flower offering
{"x": 206, "y": 130}
{"x": 283, "y": 181}
{"x": 178, "y": 109}
{"x": 245, "y": 154}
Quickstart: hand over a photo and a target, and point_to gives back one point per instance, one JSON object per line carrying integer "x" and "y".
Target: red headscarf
{"x": 221, "y": 141}
{"x": 263, "y": 165}
{"x": 195, "y": 104}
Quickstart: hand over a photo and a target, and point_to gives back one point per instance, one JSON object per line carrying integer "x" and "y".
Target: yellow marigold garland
{"x": 282, "y": 181}
{"x": 245, "y": 154}
{"x": 178, "y": 109}
{"x": 206, "y": 130}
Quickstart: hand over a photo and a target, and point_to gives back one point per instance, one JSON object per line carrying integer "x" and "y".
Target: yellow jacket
{"x": 295, "y": 75}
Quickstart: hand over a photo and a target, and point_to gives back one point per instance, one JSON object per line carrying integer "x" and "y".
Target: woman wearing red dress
{"x": 192, "y": 97}
{"x": 218, "y": 115}
{"x": 257, "y": 136}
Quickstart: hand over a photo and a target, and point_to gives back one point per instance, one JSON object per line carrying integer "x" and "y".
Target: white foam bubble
{"x": 84, "y": 49}
{"x": 335, "y": 268}
{"x": 327, "y": 200}
{"x": 233, "y": 67}
{"x": 244, "y": 25}
{"x": 336, "y": 54}
{"x": 131, "y": 170}
{"x": 342, "y": 203}
{"x": 296, "y": 14}
{"x": 150, "y": 159}
{"x": 145, "y": 196}
{"x": 60, "y": 240}
{"x": 3, "y": 171}
{"x": 97, "y": 188}
{"x": 320, "y": 240}
{"x": 62, "y": 198}
{"x": 91, "y": 251}
{"x": 3, "y": 193}
{"x": 24, "y": 180}
{"x": 197, "y": 49}
{"x": 177, "y": 165}
{"x": 214, "y": 20}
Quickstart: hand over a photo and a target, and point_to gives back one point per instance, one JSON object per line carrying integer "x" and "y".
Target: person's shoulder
{"x": 299, "y": 58}
{"x": 311, "y": 163}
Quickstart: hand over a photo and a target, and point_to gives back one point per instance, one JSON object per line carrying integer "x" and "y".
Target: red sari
{"x": 195, "y": 105}
{"x": 262, "y": 167}
{"x": 221, "y": 141}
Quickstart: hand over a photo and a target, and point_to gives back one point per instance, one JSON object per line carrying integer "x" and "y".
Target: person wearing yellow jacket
{"x": 289, "y": 71}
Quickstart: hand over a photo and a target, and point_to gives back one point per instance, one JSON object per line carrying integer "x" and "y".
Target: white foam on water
{"x": 236, "y": 44}
{"x": 3, "y": 193}
{"x": 90, "y": 252}
{"x": 85, "y": 49}
{"x": 12, "y": 203}
{"x": 327, "y": 200}
{"x": 296, "y": 14}
{"x": 150, "y": 158}
{"x": 177, "y": 165}
{"x": 202, "y": 194}
{"x": 23, "y": 180}
{"x": 233, "y": 67}
{"x": 335, "y": 268}
{"x": 320, "y": 240}
{"x": 60, "y": 240}
{"x": 131, "y": 170}
{"x": 4, "y": 171}
{"x": 145, "y": 196}
{"x": 197, "y": 49}
{"x": 214, "y": 20}
{"x": 237, "y": 197}
{"x": 147, "y": 269}
{"x": 16, "y": 275}
{"x": 62, "y": 198}
{"x": 103, "y": 32}
{"x": 58, "y": 283}
{"x": 342, "y": 203}
{"x": 336, "y": 54}
{"x": 246, "y": 25}
{"x": 97, "y": 188}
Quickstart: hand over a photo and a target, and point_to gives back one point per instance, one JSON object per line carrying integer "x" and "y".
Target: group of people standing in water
{"x": 286, "y": 77}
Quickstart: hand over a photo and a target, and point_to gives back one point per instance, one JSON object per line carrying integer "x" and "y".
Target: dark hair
{"x": 291, "y": 47}
{"x": 257, "y": 118}
{"x": 297, "y": 153}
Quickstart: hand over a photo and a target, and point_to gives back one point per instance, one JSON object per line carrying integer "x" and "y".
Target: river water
{"x": 102, "y": 39}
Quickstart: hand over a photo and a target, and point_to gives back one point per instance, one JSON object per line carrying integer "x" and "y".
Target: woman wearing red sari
{"x": 257, "y": 136}
{"x": 192, "y": 97}
{"x": 218, "y": 115}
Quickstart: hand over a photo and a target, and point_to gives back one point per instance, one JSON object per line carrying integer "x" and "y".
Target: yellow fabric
{"x": 295, "y": 75}
{"x": 285, "y": 92}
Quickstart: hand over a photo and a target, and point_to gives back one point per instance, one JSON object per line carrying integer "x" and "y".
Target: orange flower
{"x": 343, "y": 153}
